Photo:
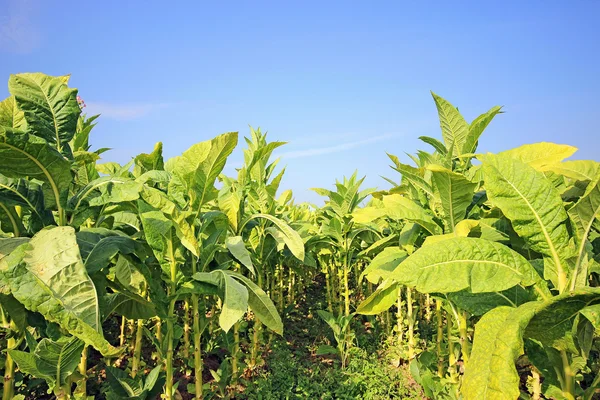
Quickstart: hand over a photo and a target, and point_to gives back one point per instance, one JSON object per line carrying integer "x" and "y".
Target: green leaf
{"x": 535, "y": 209}
{"x": 477, "y": 127}
{"x": 122, "y": 385}
{"x": 454, "y": 127}
{"x": 234, "y": 295}
{"x": 149, "y": 162}
{"x": 23, "y": 155}
{"x": 326, "y": 349}
{"x": 50, "y": 107}
{"x": 540, "y": 155}
{"x": 10, "y": 115}
{"x": 380, "y": 300}
{"x": 329, "y": 318}
{"x": 583, "y": 214}
{"x": 437, "y": 145}
{"x": 413, "y": 175}
{"x": 580, "y": 170}
{"x": 108, "y": 247}
{"x": 462, "y": 263}
{"x": 260, "y": 303}
{"x": 400, "y": 208}
{"x": 198, "y": 167}
{"x": 454, "y": 191}
{"x": 130, "y": 305}
{"x": 52, "y": 280}
{"x": 498, "y": 341}
{"x": 53, "y": 361}
{"x": 28, "y": 195}
{"x": 480, "y": 303}
{"x": 237, "y": 247}
{"x": 292, "y": 239}
{"x": 383, "y": 264}
{"x": 15, "y": 310}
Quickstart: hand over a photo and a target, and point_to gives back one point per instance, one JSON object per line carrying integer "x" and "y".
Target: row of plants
{"x": 475, "y": 272}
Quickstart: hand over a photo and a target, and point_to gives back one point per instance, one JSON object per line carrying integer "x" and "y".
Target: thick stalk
{"x": 169, "y": 361}
{"x": 122, "y": 335}
{"x": 170, "y": 317}
{"x": 569, "y": 374}
{"x": 328, "y": 287}
{"x": 451, "y": 356}
{"x": 198, "y": 362}
{"x": 186, "y": 329}
{"x": 9, "y": 372}
{"x": 137, "y": 348}
{"x": 158, "y": 330}
{"x": 465, "y": 345}
{"x": 234, "y": 353}
{"x": 399, "y": 317}
{"x": 256, "y": 333}
{"x": 293, "y": 289}
{"x": 290, "y": 286}
{"x": 346, "y": 286}
{"x": 439, "y": 338}
{"x": 537, "y": 385}
{"x": 427, "y": 307}
{"x": 411, "y": 324}
{"x": 82, "y": 386}
{"x": 280, "y": 288}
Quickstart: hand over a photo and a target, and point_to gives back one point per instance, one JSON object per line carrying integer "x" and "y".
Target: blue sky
{"x": 343, "y": 82}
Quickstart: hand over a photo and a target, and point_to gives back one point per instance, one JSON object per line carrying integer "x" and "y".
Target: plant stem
{"x": 537, "y": 385}
{"x": 411, "y": 324}
{"x": 137, "y": 348}
{"x": 186, "y": 329}
{"x": 464, "y": 338}
{"x": 170, "y": 328}
{"x": 399, "y": 317}
{"x": 122, "y": 335}
{"x": 438, "y": 338}
{"x": 569, "y": 385}
{"x": 346, "y": 286}
{"x": 234, "y": 353}
{"x": 9, "y": 372}
{"x": 451, "y": 355}
{"x": 198, "y": 362}
{"x": 82, "y": 387}
{"x": 328, "y": 287}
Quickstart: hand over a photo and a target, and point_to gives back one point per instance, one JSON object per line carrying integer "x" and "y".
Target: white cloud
{"x": 18, "y": 32}
{"x": 123, "y": 112}
{"x": 318, "y": 151}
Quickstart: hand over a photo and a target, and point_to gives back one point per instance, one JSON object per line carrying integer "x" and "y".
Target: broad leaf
{"x": 50, "y": 107}
{"x": 53, "y": 361}
{"x": 52, "y": 280}
{"x": 498, "y": 342}
{"x": 454, "y": 191}
{"x": 260, "y": 303}
{"x": 540, "y": 155}
{"x": 291, "y": 238}
{"x": 198, "y": 167}
{"x": 380, "y": 300}
{"x": 464, "y": 263}
{"x": 26, "y": 155}
{"x": 237, "y": 247}
{"x": 455, "y": 129}
{"x": 477, "y": 127}
{"x": 535, "y": 209}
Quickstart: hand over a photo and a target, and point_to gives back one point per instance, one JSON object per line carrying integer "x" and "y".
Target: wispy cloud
{"x": 18, "y": 31}
{"x": 318, "y": 151}
{"x": 123, "y": 112}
